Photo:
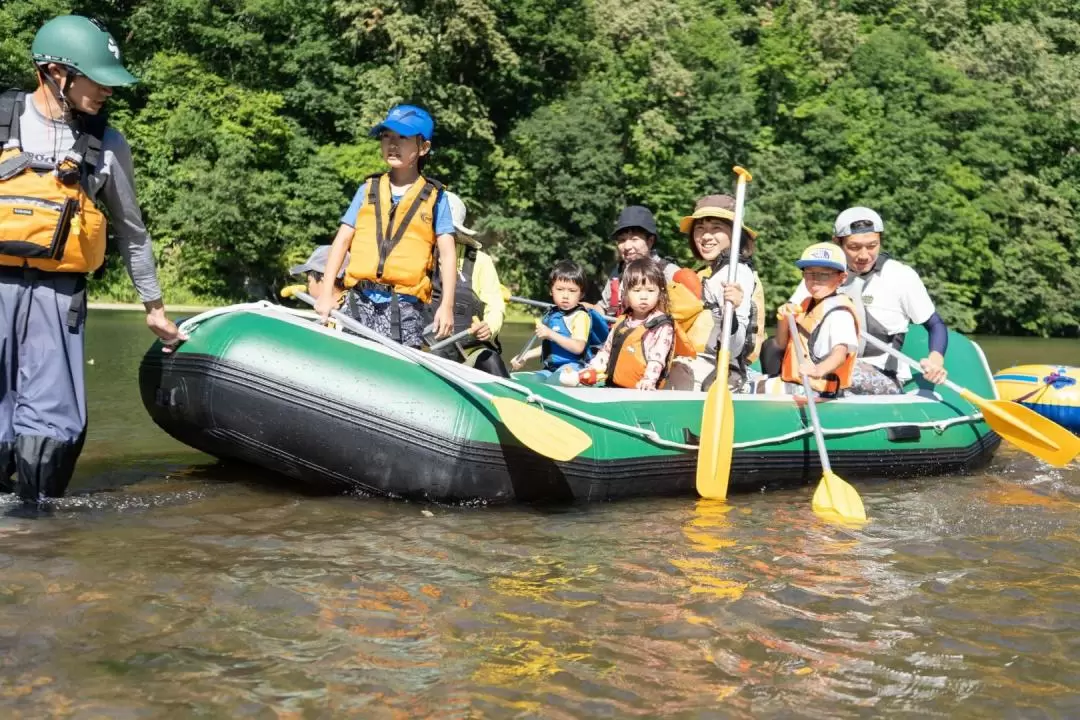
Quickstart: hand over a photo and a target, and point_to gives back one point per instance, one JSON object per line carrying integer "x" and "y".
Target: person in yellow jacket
{"x": 392, "y": 228}
{"x": 479, "y": 303}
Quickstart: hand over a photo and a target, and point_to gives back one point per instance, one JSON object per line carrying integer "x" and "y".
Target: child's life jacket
{"x": 394, "y": 245}
{"x": 810, "y": 324}
{"x": 555, "y": 355}
{"x": 627, "y": 363}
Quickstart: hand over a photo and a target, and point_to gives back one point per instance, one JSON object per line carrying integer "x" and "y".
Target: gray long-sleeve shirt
{"x": 112, "y": 184}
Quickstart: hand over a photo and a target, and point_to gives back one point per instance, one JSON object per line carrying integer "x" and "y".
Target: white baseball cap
{"x": 458, "y": 213}
{"x": 857, "y": 220}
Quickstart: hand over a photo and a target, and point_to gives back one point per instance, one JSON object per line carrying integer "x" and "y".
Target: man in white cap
{"x": 478, "y": 300}
{"x": 889, "y": 296}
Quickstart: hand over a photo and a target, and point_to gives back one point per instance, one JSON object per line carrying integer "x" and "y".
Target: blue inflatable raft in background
{"x": 1053, "y": 391}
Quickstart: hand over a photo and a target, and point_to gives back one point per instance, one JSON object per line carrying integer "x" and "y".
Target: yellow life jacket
{"x": 395, "y": 246}
{"x": 627, "y": 363}
{"x": 809, "y": 324}
{"x": 699, "y": 333}
{"x": 47, "y": 219}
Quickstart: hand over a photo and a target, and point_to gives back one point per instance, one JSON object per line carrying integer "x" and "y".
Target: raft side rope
{"x": 652, "y": 436}
{"x": 192, "y": 323}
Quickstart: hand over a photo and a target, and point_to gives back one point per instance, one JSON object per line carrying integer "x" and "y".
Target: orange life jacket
{"x": 809, "y": 324}
{"x": 627, "y": 363}
{"x": 47, "y": 219}
{"x": 395, "y": 246}
{"x": 684, "y": 300}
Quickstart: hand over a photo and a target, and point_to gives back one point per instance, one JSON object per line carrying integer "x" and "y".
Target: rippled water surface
{"x": 169, "y": 586}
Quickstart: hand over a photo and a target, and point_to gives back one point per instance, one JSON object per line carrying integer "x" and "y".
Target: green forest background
{"x": 958, "y": 120}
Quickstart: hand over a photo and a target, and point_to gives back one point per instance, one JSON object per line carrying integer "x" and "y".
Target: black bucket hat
{"x": 635, "y": 216}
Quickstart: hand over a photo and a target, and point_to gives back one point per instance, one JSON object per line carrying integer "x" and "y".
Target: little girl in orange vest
{"x": 639, "y": 350}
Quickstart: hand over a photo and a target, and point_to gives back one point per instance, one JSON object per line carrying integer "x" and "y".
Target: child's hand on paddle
{"x": 516, "y": 363}
{"x": 793, "y": 309}
{"x": 323, "y": 305}
{"x": 809, "y": 369}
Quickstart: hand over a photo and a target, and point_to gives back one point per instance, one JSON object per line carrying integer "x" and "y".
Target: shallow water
{"x": 170, "y": 586}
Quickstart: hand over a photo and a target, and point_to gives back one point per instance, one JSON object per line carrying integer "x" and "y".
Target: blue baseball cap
{"x": 407, "y": 121}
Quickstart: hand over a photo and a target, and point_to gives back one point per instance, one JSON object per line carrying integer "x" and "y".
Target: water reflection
{"x": 172, "y": 587}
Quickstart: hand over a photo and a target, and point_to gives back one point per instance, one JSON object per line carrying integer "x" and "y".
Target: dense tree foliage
{"x": 957, "y": 119}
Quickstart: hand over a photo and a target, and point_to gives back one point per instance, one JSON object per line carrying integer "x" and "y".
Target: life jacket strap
{"x": 12, "y": 104}
{"x": 387, "y": 245}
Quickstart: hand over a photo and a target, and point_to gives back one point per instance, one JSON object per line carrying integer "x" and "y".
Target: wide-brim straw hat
{"x": 714, "y": 206}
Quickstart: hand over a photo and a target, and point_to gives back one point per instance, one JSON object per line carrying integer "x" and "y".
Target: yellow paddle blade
{"x": 1027, "y": 429}
{"x": 717, "y": 436}
{"x": 540, "y": 431}
{"x": 289, "y": 290}
{"x": 835, "y": 497}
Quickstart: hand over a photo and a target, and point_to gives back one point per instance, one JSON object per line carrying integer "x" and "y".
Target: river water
{"x": 169, "y": 586}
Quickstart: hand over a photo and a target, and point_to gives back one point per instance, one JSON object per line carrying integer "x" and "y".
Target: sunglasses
{"x": 820, "y": 275}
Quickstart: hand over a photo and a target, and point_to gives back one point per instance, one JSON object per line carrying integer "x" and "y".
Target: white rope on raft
{"x": 652, "y": 436}
{"x": 189, "y": 325}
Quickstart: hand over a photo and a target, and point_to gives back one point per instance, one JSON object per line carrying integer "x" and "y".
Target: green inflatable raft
{"x": 266, "y": 385}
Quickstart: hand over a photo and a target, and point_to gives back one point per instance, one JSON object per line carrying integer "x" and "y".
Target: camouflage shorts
{"x": 867, "y": 379}
{"x": 379, "y": 317}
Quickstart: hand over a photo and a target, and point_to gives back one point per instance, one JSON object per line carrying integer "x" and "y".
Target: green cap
{"x": 86, "y": 46}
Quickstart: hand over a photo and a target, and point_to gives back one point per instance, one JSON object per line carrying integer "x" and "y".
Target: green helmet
{"x": 82, "y": 44}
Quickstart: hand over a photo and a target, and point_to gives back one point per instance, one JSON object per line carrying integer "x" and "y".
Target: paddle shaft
{"x": 890, "y": 350}
{"x": 819, "y": 436}
{"x": 733, "y": 266}
{"x": 547, "y": 305}
{"x": 449, "y": 341}
{"x": 528, "y": 346}
{"x": 406, "y": 352}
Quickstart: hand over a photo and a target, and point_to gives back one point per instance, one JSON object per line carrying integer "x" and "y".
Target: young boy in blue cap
{"x": 393, "y": 226}
{"x": 828, "y": 327}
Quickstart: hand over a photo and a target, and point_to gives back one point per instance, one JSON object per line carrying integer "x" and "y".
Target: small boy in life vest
{"x": 565, "y": 329}
{"x": 828, "y": 327}
{"x": 393, "y": 226}
{"x": 313, "y": 270}
{"x": 639, "y": 351}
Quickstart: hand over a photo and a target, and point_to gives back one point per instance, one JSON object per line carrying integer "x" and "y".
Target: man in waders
{"x": 58, "y": 159}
